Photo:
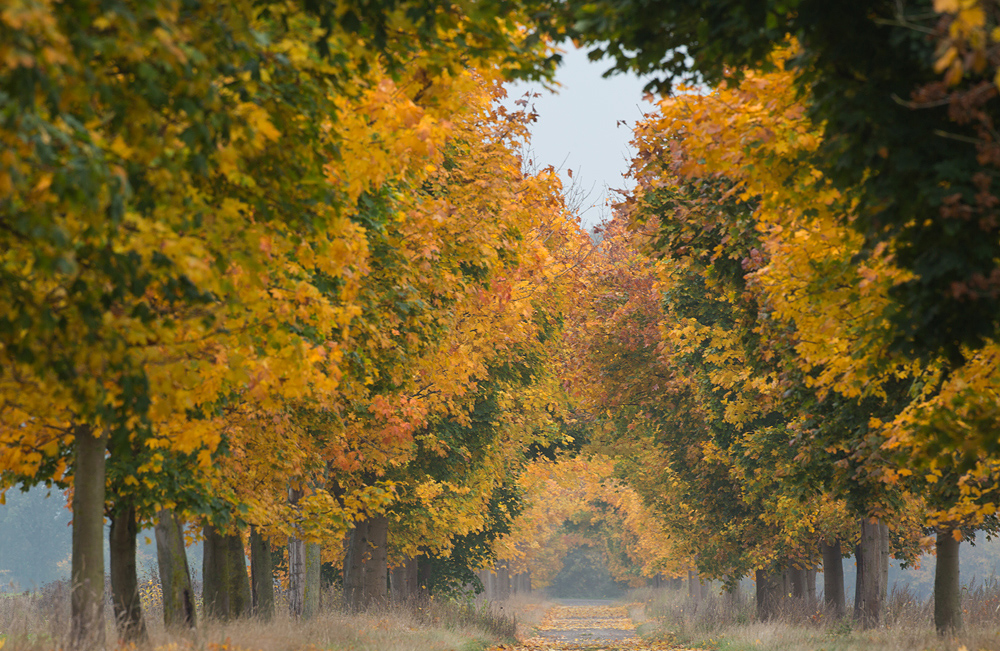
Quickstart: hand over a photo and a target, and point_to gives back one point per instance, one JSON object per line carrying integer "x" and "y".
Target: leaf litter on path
{"x": 587, "y": 628}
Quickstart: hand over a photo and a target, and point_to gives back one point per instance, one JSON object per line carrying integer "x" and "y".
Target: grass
{"x": 40, "y": 622}
{"x": 729, "y": 624}
{"x": 527, "y": 611}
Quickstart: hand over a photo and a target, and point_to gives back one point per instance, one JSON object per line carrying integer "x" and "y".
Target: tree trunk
{"x": 215, "y": 575}
{"x": 483, "y": 575}
{"x": 491, "y": 585}
{"x": 486, "y": 576}
{"x": 366, "y": 566}
{"x": 769, "y": 586}
{"x": 868, "y": 593}
{"x": 263, "y": 576}
{"x": 311, "y": 589}
{"x": 87, "y": 596}
{"x": 404, "y": 580}
{"x": 947, "y": 589}
{"x": 175, "y": 577}
{"x": 833, "y": 578}
{"x": 240, "y": 600}
{"x": 297, "y": 575}
{"x": 883, "y": 533}
{"x": 124, "y": 581}
{"x": 694, "y": 586}
{"x": 798, "y": 582}
{"x": 298, "y": 569}
{"x": 503, "y": 581}
{"x": 225, "y": 585}
{"x": 424, "y": 577}
{"x": 811, "y": 588}
{"x": 732, "y": 593}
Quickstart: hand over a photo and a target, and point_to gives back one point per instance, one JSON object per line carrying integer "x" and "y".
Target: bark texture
{"x": 811, "y": 588}
{"x": 404, "y": 581}
{"x": 947, "y": 589}
{"x": 175, "y": 577}
{"x": 213, "y": 575}
{"x": 833, "y": 578}
{"x": 240, "y": 600}
{"x": 798, "y": 577}
{"x": 868, "y": 596}
{"x": 87, "y": 596}
{"x": 297, "y": 575}
{"x": 312, "y": 588}
{"x": 769, "y": 587}
{"x": 366, "y": 567}
{"x": 262, "y": 577}
{"x": 883, "y": 533}
{"x": 226, "y": 587}
{"x": 124, "y": 580}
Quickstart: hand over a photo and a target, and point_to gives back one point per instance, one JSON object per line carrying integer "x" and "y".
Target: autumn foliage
{"x": 274, "y": 273}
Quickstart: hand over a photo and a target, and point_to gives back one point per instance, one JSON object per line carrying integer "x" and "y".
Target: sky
{"x": 579, "y": 128}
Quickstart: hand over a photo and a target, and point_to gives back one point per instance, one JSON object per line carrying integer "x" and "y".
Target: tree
{"x": 844, "y": 380}
{"x": 149, "y": 202}
{"x": 897, "y": 157}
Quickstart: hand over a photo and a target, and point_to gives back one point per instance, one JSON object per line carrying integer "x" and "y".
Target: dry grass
{"x": 527, "y": 611}
{"x": 40, "y": 622}
{"x": 728, "y": 624}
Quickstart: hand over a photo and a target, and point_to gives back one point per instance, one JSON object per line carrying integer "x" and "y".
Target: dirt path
{"x": 585, "y": 624}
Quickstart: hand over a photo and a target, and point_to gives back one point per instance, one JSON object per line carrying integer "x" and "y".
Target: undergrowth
{"x": 729, "y": 623}
{"x": 39, "y": 621}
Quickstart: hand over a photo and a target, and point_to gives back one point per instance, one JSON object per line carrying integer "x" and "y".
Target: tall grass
{"x": 730, "y": 622}
{"x": 40, "y": 621}
{"x": 36, "y": 620}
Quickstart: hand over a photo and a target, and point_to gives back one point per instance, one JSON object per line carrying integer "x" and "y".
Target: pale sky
{"x": 578, "y": 129}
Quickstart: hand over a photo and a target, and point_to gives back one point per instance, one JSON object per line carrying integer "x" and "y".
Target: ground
{"x": 586, "y": 625}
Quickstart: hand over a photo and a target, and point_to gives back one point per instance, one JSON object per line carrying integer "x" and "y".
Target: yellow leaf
{"x": 945, "y": 59}
{"x": 972, "y": 17}
{"x": 954, "y": 74}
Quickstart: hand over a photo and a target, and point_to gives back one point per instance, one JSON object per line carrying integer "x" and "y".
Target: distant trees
{"x": 34, "y": 537}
